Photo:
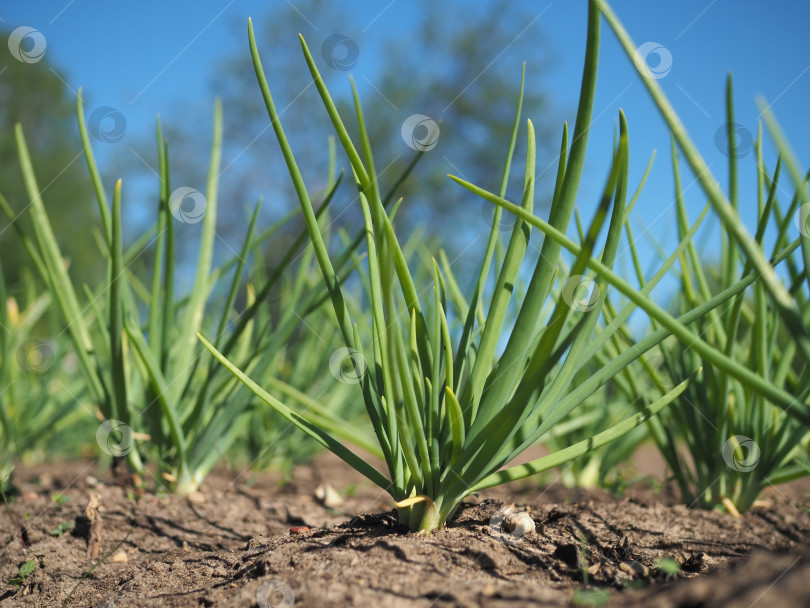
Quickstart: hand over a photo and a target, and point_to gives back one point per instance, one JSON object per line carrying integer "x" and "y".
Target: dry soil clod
{"x": 93, "y": 513}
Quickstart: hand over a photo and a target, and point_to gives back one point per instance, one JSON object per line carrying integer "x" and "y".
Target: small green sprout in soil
{"x": 24, "y": 571}
{"x": 590, "y": 597}
{"x": 587, "y": 595}
{"x": 668, "y": 566}
{"x": 61, "y": 528}
{"x": 60, "y": 499}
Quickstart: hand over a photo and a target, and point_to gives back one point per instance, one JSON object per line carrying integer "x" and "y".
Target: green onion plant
{"x": 39, "y": 416}
{"x": 447, "y": 410}
{"x": 744, "y": 422}
{"x": 605, "y": 467}
{"x": 155, "y": 389}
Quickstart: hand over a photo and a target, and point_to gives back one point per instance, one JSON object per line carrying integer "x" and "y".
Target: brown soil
{"x": 223, "y": 548}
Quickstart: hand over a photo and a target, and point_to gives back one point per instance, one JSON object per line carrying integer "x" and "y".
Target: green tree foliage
{"x": 34, "y": 94}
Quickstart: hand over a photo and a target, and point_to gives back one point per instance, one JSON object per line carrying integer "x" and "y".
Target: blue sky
{"x": 145, "y": 58}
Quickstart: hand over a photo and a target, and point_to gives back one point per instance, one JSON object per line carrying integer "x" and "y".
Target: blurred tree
{"x": 32, "y": 93}
{"x": 458, "y": 64}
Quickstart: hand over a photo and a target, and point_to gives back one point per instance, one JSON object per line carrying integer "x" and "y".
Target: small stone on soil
{"x": 518, "y": 524}
{"x": 328, "y": 496}
{"x": 196, "y": 498}
{"x": 299, "y": 529}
